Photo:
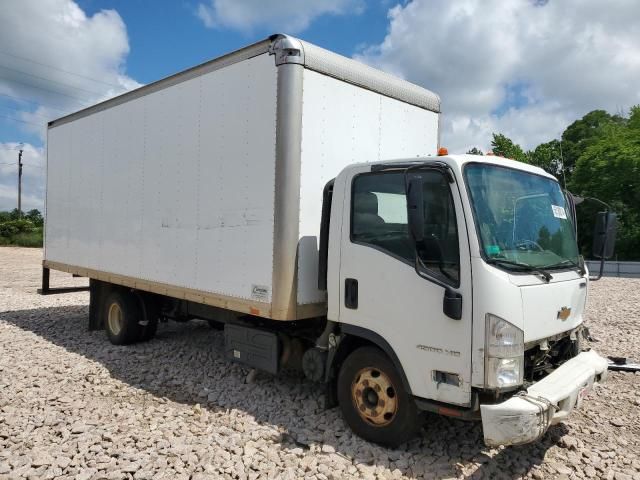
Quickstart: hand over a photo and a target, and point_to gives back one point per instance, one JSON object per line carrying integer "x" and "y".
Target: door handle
{"x": 351, "y": 293}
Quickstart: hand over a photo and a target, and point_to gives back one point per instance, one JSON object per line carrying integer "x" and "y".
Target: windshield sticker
{"x": 493, "y": 249}
{"x": 558, "y": 211}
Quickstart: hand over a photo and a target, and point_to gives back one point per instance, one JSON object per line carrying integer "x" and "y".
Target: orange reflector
{"x": 442, "y": 151}
{"x": 254, "y": 311}
{"x": 449, "y": 412}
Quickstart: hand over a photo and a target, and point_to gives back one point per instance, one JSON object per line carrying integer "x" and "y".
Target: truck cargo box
{"x": 207, "y": 185}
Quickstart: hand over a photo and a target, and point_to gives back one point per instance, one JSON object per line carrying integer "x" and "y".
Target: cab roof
{"x": 457, "y": 162}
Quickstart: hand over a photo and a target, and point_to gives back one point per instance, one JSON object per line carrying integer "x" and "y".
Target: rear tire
{"x": 373, "y": 400}
{"x": 122, "y": 313}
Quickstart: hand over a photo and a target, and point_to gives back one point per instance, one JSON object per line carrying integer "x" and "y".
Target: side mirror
{"x": 604, "y": 235}
{"x": 415, "y": 209}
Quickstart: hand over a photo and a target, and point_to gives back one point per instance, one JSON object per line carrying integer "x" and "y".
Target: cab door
{"x": 382, "y": 296}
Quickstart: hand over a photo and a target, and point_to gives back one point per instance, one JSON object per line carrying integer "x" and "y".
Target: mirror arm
{"x": 604, "y": 245}
{"x": 593, "y": 199}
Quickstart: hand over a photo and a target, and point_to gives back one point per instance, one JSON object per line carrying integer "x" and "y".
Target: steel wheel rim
{"x": 114, "y": 318}
{"x": 374, "y": 396}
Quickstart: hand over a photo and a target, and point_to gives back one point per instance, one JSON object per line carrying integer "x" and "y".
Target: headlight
{"x": 504, "y": 347}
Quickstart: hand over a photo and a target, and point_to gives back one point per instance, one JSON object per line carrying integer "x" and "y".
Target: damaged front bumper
{"x": 526, "y": 416}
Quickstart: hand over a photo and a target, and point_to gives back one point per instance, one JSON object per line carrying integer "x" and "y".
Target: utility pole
{"x": 20, "y": 184}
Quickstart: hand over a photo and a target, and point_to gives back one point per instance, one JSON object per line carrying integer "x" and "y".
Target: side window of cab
{"x": 379, "y": 220}
{"x": 379, "y": 214}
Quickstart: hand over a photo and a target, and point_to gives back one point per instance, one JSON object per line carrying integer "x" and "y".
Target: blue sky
{"x": 169, "y": 39}
{"x": 524, "y": 68}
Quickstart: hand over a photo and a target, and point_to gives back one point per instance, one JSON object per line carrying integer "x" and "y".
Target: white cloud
{"x": 33, "y": 176}
{"x": 53, "y": 56}
{"x": 54, "y": 59}
{"x": 525, "y": 68}
{"x": 288, "y": 16}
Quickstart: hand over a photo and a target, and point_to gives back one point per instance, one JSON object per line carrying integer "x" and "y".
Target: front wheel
{"x": 373, "y": 401}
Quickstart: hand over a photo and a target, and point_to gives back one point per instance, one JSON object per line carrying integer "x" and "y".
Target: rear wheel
{"x": 373, "y": 400}
{"x": 122, "y": 314}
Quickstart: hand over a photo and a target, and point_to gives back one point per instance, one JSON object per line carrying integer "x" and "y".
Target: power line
{"x": 18, "y": 99}
{"x": 59, "y": 69}
{"x": 31, "y": 113}
{"x": 23, "y": 121}
{"x": 22, "y": 72}
{"x": 76, "y": 99}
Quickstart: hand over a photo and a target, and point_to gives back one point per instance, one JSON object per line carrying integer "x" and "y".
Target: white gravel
{"x": 74, "y": 406}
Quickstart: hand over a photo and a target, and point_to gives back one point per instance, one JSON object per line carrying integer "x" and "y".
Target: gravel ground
{"x": 74, "y": 406}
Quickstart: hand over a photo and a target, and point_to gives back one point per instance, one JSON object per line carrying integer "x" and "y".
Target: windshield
{"x": 521, "y": 217}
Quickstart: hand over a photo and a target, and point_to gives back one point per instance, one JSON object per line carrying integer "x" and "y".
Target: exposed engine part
{"x": 623, "y": 364}
{"x": 542, "y": 359}
{"x": 313, "y": 364}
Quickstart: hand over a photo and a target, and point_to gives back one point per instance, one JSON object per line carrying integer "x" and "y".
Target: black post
{"x": 45, "y": 281}
{"x": 20, "y": 184}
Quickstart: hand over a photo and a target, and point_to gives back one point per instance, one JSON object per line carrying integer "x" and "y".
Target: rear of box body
{"x": 208, "y": 185}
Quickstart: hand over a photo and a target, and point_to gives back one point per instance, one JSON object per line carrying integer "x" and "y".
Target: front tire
{"x": 121, "y": 317}
{"x": 373, "y": 400}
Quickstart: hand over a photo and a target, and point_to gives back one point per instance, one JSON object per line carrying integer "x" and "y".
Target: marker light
{"x": 442, "y": 151}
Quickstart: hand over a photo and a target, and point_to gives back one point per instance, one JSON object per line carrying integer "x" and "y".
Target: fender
{"x": 379, "y": 342}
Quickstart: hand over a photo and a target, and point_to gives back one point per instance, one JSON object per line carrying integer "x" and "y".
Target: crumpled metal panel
{"x": 526, "y": 417}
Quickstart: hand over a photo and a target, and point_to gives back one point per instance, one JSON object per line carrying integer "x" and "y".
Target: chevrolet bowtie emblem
{"x": 564, "y": 313}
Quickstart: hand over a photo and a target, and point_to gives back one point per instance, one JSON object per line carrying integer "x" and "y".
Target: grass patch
{"x": 24, "y": 239}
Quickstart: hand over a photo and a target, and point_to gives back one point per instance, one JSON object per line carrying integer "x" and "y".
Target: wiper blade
{"x": 546, "y": 275}
{"x": 565, "y": 262}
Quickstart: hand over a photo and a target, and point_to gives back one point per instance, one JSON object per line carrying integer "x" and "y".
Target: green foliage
{"x": 475, "y": 151}
{"x": 25, "y": 231}
{"x": 30, "y": 239}
{"x": 8, "y": 216}
{"x": 585, "y": 132}
{"x": 13, "y": 227}
{"x": 609, "y": 169}
{"x": 548, "y": 156}
{"x": 35, "y": 217}
{"x": 598, "y": 156}
{"x": 504, "y": 147}
{"x": 634, "y": 118}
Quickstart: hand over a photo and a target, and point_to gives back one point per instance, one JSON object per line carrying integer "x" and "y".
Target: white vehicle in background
{"x": 255, "y": 191}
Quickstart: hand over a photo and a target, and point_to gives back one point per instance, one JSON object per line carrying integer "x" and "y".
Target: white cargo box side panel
{"x": 175, "y": 187}
{"x": 344, "y": 124}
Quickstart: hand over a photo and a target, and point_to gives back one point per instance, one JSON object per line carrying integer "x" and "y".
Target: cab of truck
{"x": 464, "y": 272}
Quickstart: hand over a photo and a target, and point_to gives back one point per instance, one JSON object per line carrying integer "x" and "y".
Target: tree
{"x": 582, "y": 133}
{"x": 609, "y": 169}
{"x": 475, "y": 151}
{"x": 505, "y": 147}
{"x": 35, "y": 217}
{"x": 548, "y": 156}
{"x": 597, "y": 156}
{"x": 634, "y": 118}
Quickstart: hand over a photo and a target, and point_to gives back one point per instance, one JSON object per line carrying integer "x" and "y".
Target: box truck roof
{"x": 286, "y": 49}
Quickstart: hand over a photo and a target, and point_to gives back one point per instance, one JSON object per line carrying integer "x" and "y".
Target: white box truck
{"x": 256, "y": 191}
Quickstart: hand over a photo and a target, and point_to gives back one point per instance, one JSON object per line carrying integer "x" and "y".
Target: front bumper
{"x": 526, "y": 416}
